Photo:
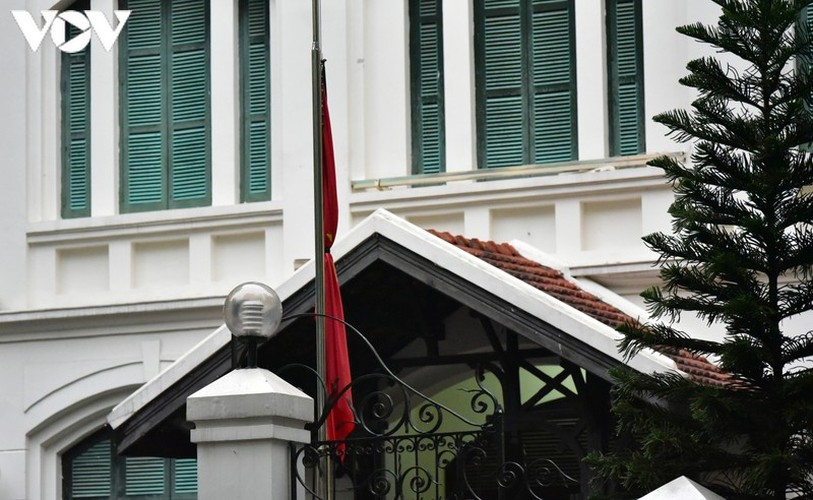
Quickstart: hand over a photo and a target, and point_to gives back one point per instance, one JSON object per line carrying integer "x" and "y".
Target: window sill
{"x": 68, "y": 231}
{"x": 520, "y": 171}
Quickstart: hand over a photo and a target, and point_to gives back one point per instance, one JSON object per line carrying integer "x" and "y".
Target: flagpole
{"x": 323, "y": 483}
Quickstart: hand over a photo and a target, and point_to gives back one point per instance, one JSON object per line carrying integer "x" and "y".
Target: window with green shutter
{"x": 75, "y": 89}
{"x": 89, "y": 471}
{"x": 525, "y": 82}
{"x": 426, "y": 69}
{"x": 255, "y": 78}
{"x": 165, "y": 132}
{"x": 92, "y": 470}
{"x": 625, "y": 65}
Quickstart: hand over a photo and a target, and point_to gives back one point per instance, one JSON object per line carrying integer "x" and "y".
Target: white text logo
{"x": 55, "y": 22}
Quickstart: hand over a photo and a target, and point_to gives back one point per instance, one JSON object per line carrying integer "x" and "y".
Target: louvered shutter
{"x": 505, "y": 107}
{"x": 165, "y": 133}
{"x": 189, "y": 100}
{"x": 554, "y": 83}
{"x": 255, "y": 82}
{"x": 185, "y": 480}
{"x": 145, "y": 476}
{"x": 91, "y": 472}
{"x": 626, "y": 78}
{"x": 75, "y": 131}
{"x": 143, "y": 113}
{"x": 527, "y": 82}
{"x": 426, "y": 53}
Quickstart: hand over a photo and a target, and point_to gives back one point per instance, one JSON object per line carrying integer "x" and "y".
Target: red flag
{"x": 340, "y": 421}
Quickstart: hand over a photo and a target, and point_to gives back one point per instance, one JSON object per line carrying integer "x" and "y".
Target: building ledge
{"x": 156, "y": 222}
{"x": 535, "y": 185}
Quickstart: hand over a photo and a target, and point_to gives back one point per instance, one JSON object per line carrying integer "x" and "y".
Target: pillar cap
{"x": 249, "y": 393}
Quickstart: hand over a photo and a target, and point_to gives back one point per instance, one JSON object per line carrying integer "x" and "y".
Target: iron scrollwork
{"x": 407, "y": 445}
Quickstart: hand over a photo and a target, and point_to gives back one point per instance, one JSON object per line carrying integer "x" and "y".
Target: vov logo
{"x": 55, "y": 22}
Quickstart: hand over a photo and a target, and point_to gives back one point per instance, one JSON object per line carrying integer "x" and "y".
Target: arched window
{"x": 91, "y": 469}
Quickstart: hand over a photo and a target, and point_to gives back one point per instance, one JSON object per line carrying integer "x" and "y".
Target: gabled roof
{"x": 534, "y": 300}
{"x": 553, "y": 282}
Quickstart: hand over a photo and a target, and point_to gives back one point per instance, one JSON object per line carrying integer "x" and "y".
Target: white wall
{"x": 13, "y": 51}
{"x": 63, "y": 372}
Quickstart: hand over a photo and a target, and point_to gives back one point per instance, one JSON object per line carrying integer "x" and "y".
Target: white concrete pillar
{"x": 104, "y": 121}
{"x": 224, "y": 74}
{"x": 458, "y": 74}
{"x": 591, "y": 80}
{"x": 243, "y": 424}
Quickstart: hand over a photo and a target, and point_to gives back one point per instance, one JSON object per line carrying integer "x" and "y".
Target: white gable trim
{"x": 459, "y": 262}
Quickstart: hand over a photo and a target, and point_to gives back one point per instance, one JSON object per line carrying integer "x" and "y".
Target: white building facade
{"x": 142, "y": 183}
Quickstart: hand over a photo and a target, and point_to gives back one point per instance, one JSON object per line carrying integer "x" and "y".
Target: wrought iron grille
{"x": 402, "y": 449}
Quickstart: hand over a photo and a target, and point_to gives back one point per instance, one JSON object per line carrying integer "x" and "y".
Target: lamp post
{"x": 253, "y": 312}
{"x": 245, "y": 421}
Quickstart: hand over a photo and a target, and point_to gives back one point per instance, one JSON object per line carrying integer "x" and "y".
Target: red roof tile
{"x": 505, "y": 257}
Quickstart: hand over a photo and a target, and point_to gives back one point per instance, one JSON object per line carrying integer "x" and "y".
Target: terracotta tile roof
{"x": 554, "y": 283}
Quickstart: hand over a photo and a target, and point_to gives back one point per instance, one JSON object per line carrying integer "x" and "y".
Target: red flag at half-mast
{"x": 340, "y": 421}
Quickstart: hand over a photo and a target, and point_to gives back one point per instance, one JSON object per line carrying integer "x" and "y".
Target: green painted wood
{"x": 525, "y": 82}
{"x": 505, "y": 131}
{"x": 426, "y": 86}
{"x": 185, "y": 477}
{"x": 554, "y": 106}
{"x": 91, "y": 472}
{"x": 75, "y": 90}
{"x": 626, "y": 93}
{"x": 145, "y": 476}
{"x": 255, "y": 83}
{"x": 166, "y": 145}
{"x": 189, "y": 158}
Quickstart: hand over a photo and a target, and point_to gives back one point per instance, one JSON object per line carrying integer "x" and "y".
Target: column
{"x": 243, "y": 424}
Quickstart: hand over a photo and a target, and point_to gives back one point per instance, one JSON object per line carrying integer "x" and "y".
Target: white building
{"x": 142, "y": 183}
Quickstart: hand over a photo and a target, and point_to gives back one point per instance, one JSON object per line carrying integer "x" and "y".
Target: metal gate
{"x": 408, "y": 446}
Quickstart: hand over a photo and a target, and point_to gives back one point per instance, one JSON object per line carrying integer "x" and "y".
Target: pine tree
{"x": 740, "y": 255}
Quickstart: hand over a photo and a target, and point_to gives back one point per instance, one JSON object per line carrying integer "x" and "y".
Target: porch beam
{"x": 471, "y": 359}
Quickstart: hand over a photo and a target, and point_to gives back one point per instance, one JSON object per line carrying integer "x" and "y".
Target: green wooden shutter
{"x": 145, "y": 475}
{"x": 165, "y": 113}
{"x": 255, "y": 78}
{"x": 185, "y": 476}
{"x": 505, "y": 107}
{"x": 626, "y": 77}
{"x": 526, "y": 82}
{"x": 144, "y": 144}
{"x": 190, "y": 175}
{"x": 426, "y": 66}
{"x": 554, "y": 83}
{"x": 91, "y": 472}
{"x": 75, "y": 185}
